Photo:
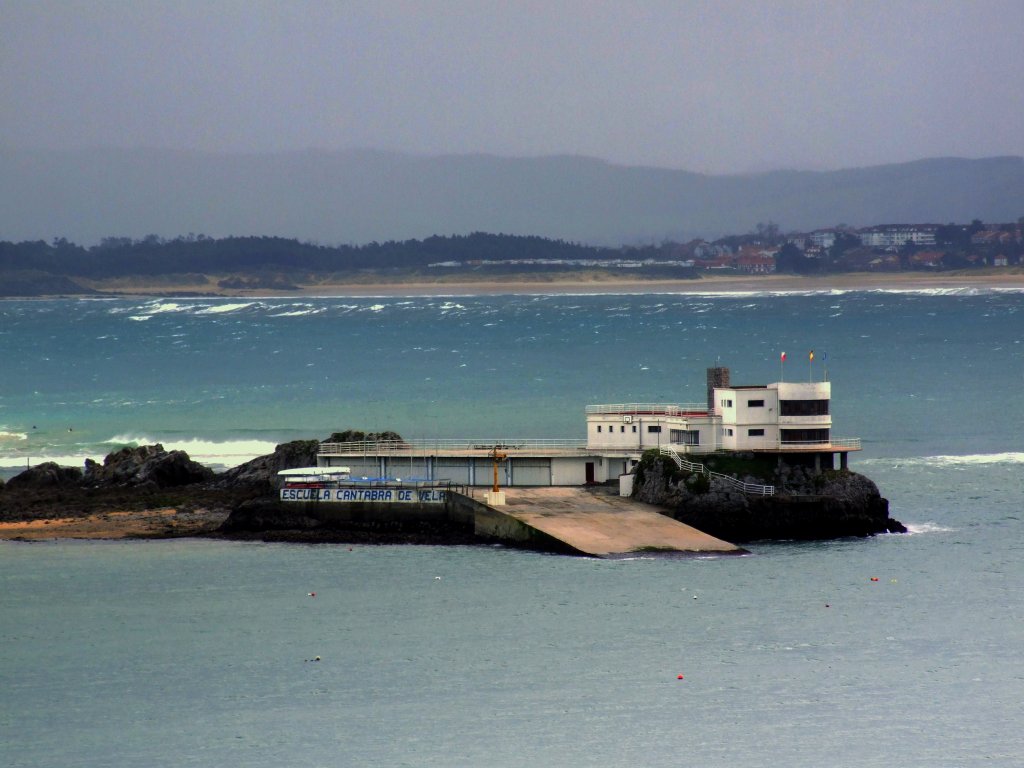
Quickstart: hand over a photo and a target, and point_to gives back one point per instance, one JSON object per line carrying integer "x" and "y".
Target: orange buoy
{"x": 874, "y": 578}
{"x": 679, "y": 677}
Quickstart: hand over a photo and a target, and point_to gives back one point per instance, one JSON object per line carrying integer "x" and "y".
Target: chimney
{"x": 717, "y": 377}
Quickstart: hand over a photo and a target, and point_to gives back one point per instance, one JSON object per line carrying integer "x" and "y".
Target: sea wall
{"x": 273, "y": 519}
{"x": 826, "y": 505}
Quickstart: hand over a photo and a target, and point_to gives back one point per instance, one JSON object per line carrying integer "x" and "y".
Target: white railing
{"x": 652, "y": 409}
{"x": 753, "y": 489}
{"x": 405, "y": 447}
{"x": 849, "y": 443}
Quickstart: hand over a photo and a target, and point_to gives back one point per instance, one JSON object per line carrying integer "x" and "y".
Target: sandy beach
{"x": 585, "y": 283}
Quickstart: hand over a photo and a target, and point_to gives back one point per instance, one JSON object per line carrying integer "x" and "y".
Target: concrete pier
{"x": 590, "y": 523}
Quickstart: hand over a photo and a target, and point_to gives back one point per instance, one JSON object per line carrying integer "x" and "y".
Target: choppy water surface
{"x": 197, "y": 653}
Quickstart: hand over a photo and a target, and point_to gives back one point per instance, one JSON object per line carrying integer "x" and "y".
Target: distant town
{"x": 881, "y": 248}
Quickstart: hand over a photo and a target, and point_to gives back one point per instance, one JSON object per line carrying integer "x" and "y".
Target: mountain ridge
{"x": 361, "y": 196}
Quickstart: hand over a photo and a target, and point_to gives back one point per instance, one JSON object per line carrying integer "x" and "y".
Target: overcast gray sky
{"x": 718, "y": 86}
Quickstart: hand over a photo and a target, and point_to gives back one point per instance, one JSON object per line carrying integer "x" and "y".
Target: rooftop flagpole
{"x": 782, "y": 367}
{"x": 824, "y": 362}
{"x": 810, "y": 362}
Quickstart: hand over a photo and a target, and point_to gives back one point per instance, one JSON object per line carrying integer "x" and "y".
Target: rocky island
{"x": 148, "y": 492}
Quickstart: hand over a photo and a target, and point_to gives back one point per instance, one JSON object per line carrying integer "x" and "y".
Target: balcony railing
{"x": 833, "y": 443}
{"x": 427, "y": 447}
{"x": 649, "y": 409}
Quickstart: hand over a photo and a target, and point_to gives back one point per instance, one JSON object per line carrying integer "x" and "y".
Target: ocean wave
{"x": 303, "y": 312}
{"x": 974, "y": 459}
{"x": 8, "y": 436}
{"x": 916, "y": 528}
{"x": 220, "y": 309}
{"x": 205, "y": 451}
{"x": 63, "y": 459}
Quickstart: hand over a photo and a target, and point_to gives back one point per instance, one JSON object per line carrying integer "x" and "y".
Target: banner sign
{"x": 375, "y": 495}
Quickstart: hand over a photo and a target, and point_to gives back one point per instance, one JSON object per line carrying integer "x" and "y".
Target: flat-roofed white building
{"x": 789, "y": 419}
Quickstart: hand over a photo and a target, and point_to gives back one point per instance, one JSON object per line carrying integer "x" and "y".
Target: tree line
{"x": 153, "y": 255}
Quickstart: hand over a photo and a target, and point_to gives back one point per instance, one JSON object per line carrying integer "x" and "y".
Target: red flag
{"x": 783, "y": 358}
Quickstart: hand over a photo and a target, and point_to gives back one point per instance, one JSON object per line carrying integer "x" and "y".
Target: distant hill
{"x": 365, "y": 196}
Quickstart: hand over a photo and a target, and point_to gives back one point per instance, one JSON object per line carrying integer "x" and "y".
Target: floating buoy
{"x": 679, "y": 677}
{"x": 311, "y": 594}
{"x": 874, "y": 578}
{"x": 827, "y": 605}
{"x": 694, "y": 597}
{"x": 316, "y": 659}
{"x": 437, "y": 578}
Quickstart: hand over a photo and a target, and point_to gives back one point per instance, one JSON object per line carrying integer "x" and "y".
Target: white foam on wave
{"x": 918, "y": 528}
{"x": 300, "y": 312}
{"x": 10, "y": 436}
{"x": 217, "y": 453}
{"x": 220, "y": 309}
{"x": 228, "y": 453}
{"x": 974, "y": 459}
{"x": 63, "y": 459}
{"x": 162, "y": 307}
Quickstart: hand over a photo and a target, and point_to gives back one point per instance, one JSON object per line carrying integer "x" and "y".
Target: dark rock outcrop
{"x": 808, "y": 506}
{"x": 262, "y": 471}
{"x": 148, "y": 465}
{"x": 45, "y": 475}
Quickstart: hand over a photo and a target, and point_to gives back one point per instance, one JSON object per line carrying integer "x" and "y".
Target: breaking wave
{"x": 916, "y": 528}
{"x": 975, "y": 459}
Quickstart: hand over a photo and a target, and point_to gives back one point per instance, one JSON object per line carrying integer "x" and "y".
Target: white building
{"x": 897, "y": 235}
{"x": 788, "y": 419}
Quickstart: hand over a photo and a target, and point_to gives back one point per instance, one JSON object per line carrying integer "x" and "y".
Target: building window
{"x": 685, "y": 436}
{"x": 755, "y": 403}
{"x": 653, "y": 429}
{"x": 598, "y": 427}
{"x": 726, "y": 403}
{"x": 803, "y": 407}
{"x": 755, "y": 433}
{"x": 728, "y": 431}
{"x": 804, "y": 435}
{"x": 622, "y": 429}
{"x": 634, "y": 427}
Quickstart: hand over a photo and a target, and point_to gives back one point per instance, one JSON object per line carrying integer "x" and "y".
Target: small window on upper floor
{"x": 728, "y": 431}
{"x": 755, "y": 433}
{"x": 598, "y": 427}
{"x": 634, "y": 427}
{"x": 622, "y": 428}
{"x": 726, "y": 403}
{"x": 755, "y": 403}
{"x": 654, "y": 428}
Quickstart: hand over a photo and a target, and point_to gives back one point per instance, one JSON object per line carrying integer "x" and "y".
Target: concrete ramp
{"x": 594, "y": 523}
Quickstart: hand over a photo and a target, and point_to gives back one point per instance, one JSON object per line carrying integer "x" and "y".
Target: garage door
{"x": 455, "y": 470}
{"x": 531, "y": 472}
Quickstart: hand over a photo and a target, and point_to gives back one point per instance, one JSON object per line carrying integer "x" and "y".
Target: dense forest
{"x": 152, "y": 255}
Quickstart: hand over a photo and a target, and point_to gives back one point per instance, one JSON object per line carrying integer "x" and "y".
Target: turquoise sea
{"x": 202, "y": 653}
